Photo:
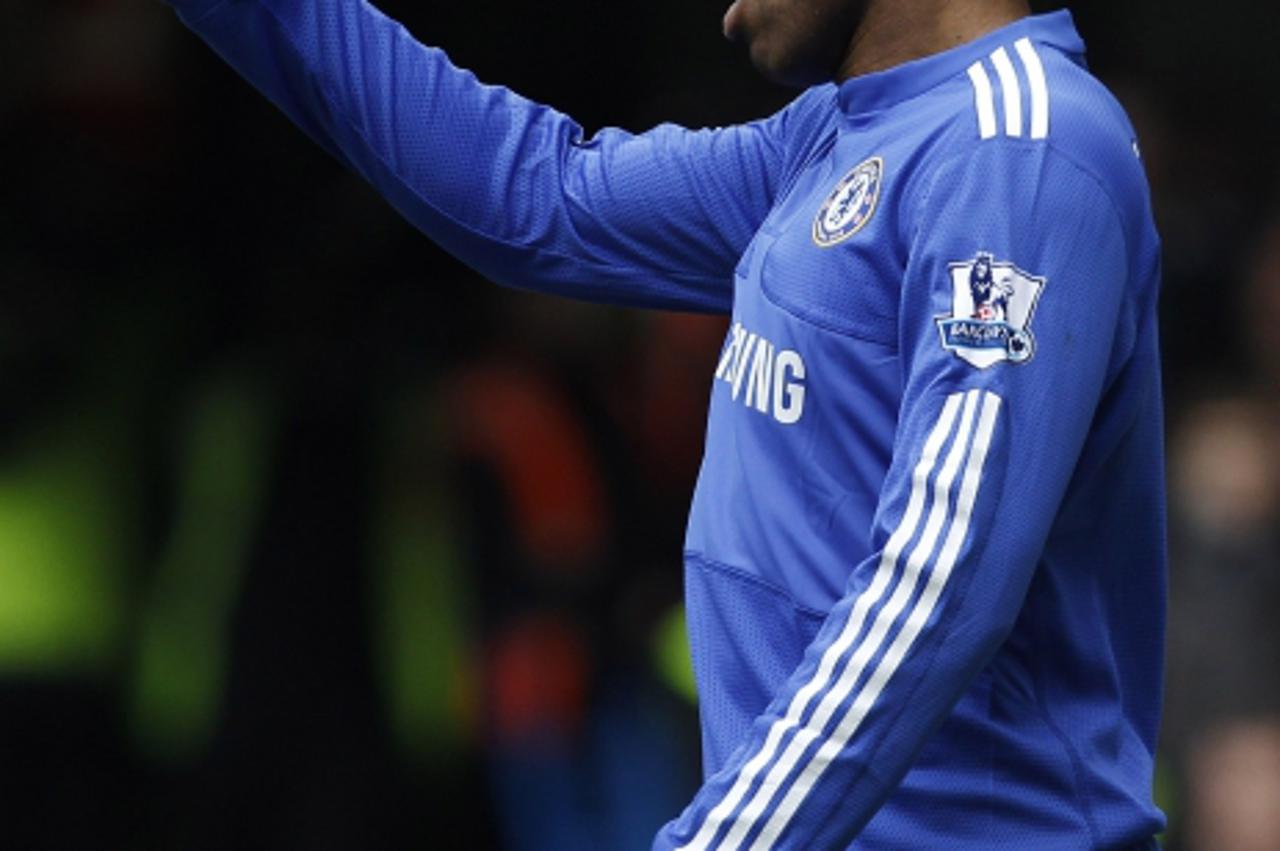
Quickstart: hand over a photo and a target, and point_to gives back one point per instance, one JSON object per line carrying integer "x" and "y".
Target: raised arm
{"x": 508, "y": 186}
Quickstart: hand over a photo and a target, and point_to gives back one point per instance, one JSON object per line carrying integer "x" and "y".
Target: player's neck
{"x": 896, "y": 31}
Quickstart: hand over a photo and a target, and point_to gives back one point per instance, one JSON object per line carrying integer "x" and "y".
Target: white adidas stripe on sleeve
{"x": 919, "y": 616}
{"x": 945, "y": 508}
{"x": 839, "y": 694}
{"x": 853, "y": 627}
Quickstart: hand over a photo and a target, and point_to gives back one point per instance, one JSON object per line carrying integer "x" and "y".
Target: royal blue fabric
{"x": 925, "y": 558}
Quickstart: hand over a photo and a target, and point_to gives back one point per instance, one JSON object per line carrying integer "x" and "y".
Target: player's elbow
{"x": 981, "y": 626}
{"x": 992, "y": 616}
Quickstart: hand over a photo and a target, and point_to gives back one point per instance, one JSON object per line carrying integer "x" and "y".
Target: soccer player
{"x": 925, "y": 558}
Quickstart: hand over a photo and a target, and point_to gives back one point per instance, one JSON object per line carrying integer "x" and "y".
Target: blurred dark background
{"x": 310, "y": 538}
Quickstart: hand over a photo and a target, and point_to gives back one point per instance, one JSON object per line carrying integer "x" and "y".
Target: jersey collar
{"x": 871, "y": 93}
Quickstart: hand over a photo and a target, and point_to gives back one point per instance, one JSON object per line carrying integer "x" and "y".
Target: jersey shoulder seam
{"x": 934, "y": 175}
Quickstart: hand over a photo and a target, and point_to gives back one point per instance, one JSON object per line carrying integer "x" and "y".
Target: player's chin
{"x": 779, "y": 53}
{"x": 788, "y": 67}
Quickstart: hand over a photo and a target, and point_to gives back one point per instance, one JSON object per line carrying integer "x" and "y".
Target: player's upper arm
{"x": 1020, "y": 284}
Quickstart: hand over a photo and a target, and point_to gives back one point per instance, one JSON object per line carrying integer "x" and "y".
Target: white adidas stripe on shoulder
{"x": 985, "y": 100}
{"x": 1011, "y": 90}
{"x": 1039, "y": 87}
{"x": 1011, "y": 93}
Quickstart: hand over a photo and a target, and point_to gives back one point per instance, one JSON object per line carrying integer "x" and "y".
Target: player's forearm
{"x": 477, "y": 168}
{"x": 429, "y": 138}
{"x": 892, "y": 658}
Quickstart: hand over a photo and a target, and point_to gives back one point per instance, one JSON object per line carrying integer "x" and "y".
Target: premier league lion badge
{"x": 992, "y": 306}
{"x": 850, "y": 205}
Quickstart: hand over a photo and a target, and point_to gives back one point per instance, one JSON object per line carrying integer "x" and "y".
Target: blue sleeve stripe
{"x": 838, "y": 653}
{"x": 901, "y": 645}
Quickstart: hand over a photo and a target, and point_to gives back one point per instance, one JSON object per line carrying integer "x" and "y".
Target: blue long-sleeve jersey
{"x": 925, "y": 558}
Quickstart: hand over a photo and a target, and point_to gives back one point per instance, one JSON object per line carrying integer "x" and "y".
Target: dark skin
{"x": 802, "y": 42}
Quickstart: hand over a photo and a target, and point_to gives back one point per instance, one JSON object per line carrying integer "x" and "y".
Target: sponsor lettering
{"x": 763, "y": 377}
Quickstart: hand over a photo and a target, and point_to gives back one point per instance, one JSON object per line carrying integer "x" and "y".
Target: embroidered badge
{"x": 992, "y": 306}
{"x": 850, "y": 205}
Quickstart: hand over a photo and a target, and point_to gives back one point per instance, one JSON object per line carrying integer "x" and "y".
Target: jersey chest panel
{"x": 807, "y": 388}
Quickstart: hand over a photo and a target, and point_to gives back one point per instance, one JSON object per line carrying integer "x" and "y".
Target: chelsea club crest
{"x": 850, "y": 205}
{"x": 992, "y": 306}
